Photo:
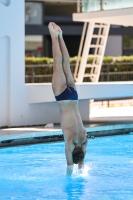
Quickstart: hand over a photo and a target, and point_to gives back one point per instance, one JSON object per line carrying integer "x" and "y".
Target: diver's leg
{"x": 66, "y": 59}
{"x": 58, "y": 79}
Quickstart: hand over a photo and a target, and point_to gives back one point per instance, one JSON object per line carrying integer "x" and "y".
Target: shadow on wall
{"x": 5, "y": 2}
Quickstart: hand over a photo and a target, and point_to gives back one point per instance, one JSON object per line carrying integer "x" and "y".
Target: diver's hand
{"x": 69, "y": 169}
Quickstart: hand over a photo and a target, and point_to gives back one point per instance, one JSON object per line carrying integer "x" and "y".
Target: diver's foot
{"x": 53, "y": 31}
{"x": 58, "y": 29}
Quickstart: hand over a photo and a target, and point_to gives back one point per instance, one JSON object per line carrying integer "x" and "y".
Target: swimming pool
{"x": 38, "y": 171}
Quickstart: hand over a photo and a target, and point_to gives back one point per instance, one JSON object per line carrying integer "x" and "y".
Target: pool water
{"x": 38, "y": 172}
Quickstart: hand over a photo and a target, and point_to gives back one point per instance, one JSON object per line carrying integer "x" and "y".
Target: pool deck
{"x": 98, "y": 126}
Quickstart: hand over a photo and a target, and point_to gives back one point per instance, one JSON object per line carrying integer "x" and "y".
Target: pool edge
{"x": 35, "y": 137}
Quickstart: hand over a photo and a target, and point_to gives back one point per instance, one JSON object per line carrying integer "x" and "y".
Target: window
{"x": 127, "y": 42}
{"x": 33, "y": 13}
{"x": 33, "y": 45}
{"x": 56, "y": 8}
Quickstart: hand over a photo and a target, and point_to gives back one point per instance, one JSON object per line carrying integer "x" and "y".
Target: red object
{"x": 28, "y": 55}
{"x": 39, "y": 49}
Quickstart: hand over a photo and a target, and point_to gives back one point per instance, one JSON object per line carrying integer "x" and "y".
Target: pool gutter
{"x": 22, "y": 136}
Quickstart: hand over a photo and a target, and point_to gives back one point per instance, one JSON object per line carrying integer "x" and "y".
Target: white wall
{"x": 12, "y": 89}
{"x": 4, "y": 64}
{"x": 114, "y": 46}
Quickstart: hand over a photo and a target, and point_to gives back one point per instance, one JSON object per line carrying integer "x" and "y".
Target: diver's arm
{"x": 68, "y": 150}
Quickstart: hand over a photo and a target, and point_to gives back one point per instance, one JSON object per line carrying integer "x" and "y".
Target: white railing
{"x": 96, "y": 5}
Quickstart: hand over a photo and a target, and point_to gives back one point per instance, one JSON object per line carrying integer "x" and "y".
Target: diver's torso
{"x": 71, "y": 122}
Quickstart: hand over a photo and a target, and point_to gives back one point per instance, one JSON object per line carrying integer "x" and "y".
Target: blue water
{"x": 38, "y": 171}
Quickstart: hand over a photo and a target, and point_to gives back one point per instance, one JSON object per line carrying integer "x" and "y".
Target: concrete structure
{"x": 121, "y": 16}
{"x": 61, "y": 13}
{"x": 13, "y": 102}
{"x": 31, "y": 104}
{"x": 111, "y": 47}
{"x": 102, "y": 21}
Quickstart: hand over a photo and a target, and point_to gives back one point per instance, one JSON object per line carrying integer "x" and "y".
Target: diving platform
{"x": 40, "y": 93}
{"x": 96, "y": 21}
{"x": 122, "y": 17}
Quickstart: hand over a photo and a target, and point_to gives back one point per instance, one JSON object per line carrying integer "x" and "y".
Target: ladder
{"x": 92, "y": 45}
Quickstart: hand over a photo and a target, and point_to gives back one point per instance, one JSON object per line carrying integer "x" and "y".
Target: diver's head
{"x": 78, "y": 155}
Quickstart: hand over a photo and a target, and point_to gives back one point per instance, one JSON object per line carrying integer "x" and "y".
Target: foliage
{"x": 125, "y": 59}
{"x": 37, "y": 60}
{"x": 107, "y": 59}
{"x": 111, "y": 64}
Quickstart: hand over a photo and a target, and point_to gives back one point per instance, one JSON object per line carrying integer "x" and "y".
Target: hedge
{"x": 116, "y": 65}
{"x": 107, "y": 59}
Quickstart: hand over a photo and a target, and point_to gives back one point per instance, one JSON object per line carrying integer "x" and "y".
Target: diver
{"x": 64, "y": 89}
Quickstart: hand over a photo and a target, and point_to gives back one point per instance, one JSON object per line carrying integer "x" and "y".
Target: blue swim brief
{"x": 68, "y": 94}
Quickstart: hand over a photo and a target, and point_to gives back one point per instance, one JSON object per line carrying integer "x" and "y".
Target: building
{"x": 37, "y": 39}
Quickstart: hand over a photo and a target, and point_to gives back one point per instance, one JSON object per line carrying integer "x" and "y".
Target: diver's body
{"x": 71, "y": 122}
{"x": 65, "y": 93}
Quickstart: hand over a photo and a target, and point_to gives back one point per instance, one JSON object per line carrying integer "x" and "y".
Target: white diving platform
{"x": 40, "y": 93}
{"x": 121, "y": 16}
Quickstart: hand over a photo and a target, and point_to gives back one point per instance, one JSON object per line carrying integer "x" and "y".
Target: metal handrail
{"x": 102, "y": 5}
{"x": 43, "y": 65}
{"x": 73, "y": 64}
{"x": 106, "y": 73}
{"x": 78, "y": 6}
